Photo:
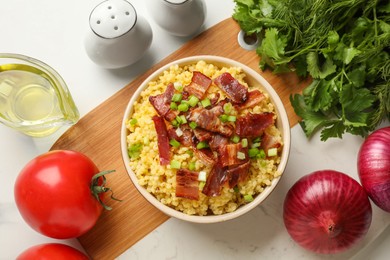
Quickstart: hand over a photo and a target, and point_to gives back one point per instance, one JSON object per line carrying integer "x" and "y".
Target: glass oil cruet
{"x": 34, "y": 99}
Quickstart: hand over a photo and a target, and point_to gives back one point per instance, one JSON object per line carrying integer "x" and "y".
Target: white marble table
{"x": 53, "y": 31}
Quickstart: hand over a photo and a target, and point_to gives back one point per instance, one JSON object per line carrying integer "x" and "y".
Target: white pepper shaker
{"x": 118, "y": 36}
{"x": 178, "y": 17}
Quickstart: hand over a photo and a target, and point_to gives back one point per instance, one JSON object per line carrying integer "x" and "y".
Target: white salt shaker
{"x": 178, "y": 17}
{"x": 118, "y": 36}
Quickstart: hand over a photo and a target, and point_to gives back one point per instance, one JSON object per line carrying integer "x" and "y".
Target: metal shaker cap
{"x": 112, "y": 18}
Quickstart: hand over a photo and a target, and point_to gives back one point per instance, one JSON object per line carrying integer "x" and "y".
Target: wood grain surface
{"x": 97, "y": 135}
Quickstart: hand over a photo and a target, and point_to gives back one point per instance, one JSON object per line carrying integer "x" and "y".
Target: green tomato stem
{"x": 96, "y": 189}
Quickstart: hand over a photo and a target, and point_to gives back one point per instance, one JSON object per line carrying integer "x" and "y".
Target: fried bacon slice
{"x": 199, "y": 84}
{"x": 228, "y": 154}
{"x": 269, "y": 141}
{"x": 162, "y": 102}
{"x": 254, "y": 98}
{"x": 162, "y": 139}
{"x": 253, "y": 125}
{"x": 216, "y": 179}
{"x": 238, "y": 174}
{"x": 209, "y": 119}
{"x": 187, "y": 184}
{"x": 186, "y": 136}
{"x": 237, "y": 92}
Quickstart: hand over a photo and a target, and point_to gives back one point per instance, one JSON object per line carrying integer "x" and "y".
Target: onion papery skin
{"x": 327, "y": 212}
{"x": 374, "y": 167}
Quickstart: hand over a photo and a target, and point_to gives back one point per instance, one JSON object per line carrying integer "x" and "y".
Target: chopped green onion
{"x": 206, "y": 102}
{"x": 227, "y": 108}
{"x": 133, "y": 121}
{"x": 253, "y": 152}
{"x": 202, "y": 145}
{"x": 179, "y": 132}
{"x": 201, "y": 185}
{"x": 191, "y": 166}
{"x": 241, "y": 155}
{"x": 177, "y": 97}
{"x": 193, "y": 125}
{"x": 183, "y": 107}
{"x": 261, "y": 154}
{"x": 244, "y": 142}
{"x": 190, "y": 152}
{"x": 257, "y": 140}
{"x": 202, "y": 176}
{"x": 235, "y": 139}
{"x": 272, "y": 152}
{"x": 236, "y": 189}
{"x": 173, "y": 106}
{"x": 134, "y": 151}
{"x": 255, "y": 145}
{"x": 175, "y": 123}
{"x": 231, "y": 118}
{"x": 183, "y": 119}
{"x": 224, "y": 118}
{"x": 178, "y": 86}
{"x": 193, "y": 101}
{"x": 248, "y": 198}
{"x": 174, "y": 143}
{"x": 175, "y": 164}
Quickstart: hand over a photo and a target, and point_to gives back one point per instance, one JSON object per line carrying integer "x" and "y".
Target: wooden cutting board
{"x": 98, "y": 136}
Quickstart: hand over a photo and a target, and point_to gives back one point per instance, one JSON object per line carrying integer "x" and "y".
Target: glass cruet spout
{"x": 34, "y": 99}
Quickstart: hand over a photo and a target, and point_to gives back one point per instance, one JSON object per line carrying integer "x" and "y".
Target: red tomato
{"x": 52, "y": 193}
{"x": 52, "y": 251}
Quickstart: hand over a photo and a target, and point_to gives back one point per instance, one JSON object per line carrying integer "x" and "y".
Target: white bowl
{"x": 282, "y": 124}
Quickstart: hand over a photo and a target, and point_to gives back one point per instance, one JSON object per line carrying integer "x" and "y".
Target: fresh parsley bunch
{"x": 343, "y": 45}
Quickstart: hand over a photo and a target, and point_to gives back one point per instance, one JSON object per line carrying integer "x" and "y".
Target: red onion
{"x": 327, "y": 212}
{"x": 374, "y": 167}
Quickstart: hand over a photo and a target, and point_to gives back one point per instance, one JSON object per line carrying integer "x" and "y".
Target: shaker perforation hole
{"x": 127, "y": 13}
{"x": 112, "y": 17}
{"x": 109, "y": 7}
{"x": 116, "y": 28}
{"x": 98, "y": 21}
{"x": 247, "y": 42}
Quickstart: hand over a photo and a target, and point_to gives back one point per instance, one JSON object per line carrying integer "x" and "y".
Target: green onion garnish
{"x": 224, "y": 118}
{"x": 248, "y": 198}
{"x": 193, "y": 125}
{"x": 178, "y": 86}
{"x": 133, "y": 121}
{"x": 261, "y": 154}
{"x": 173, "y": 106}
{"x": 253, "y": 152}
{"x": 202, "y": 176}
{"x": 191, "y": 166}
{"x": 231, "y": 118}
{"x": 241, "y": 155}
{"x": 177, "y": 97}
{"x": 206, "y": 102}
{"x": 175, "y": 164}
{"x": 244, "y": 142}
{"x": 227, "y": 108}
{"x": 202, "y": 145}
{"x": 272, "y": 152}
{"x": 193, "y": 101}
{"x": 235, "y": 139}
{"x": 183, "y": 119}
{"x": 183, "y": 107}
{"x": 174, "y": 143}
